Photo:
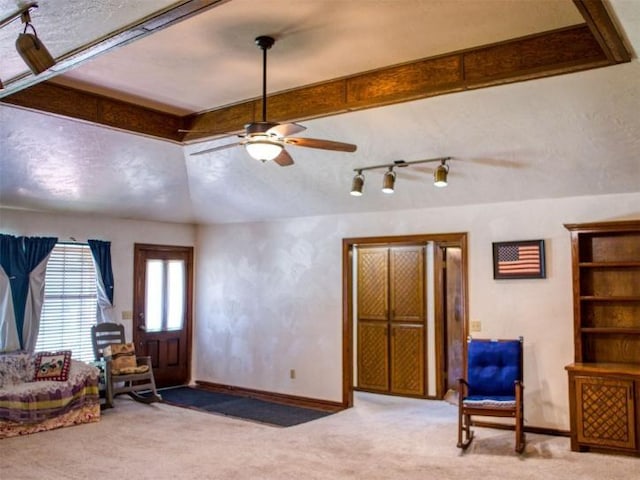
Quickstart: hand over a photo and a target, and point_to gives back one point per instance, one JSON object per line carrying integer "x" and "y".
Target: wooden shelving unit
{"x": 604, "y": 381}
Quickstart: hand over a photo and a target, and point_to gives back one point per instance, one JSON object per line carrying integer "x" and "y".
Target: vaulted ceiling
{"x": 530, "y": 99}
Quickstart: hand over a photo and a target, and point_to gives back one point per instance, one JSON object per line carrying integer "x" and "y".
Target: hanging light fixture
{"x": 358, "y": 184}
{"x": 261, "y": 147}
{"x": 389, "y": 179}
{"x": 440, "y": 174}
{"x": 28, "y": 45}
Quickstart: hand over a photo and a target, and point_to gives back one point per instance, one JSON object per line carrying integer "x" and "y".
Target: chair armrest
{"x": 464, "y": 386}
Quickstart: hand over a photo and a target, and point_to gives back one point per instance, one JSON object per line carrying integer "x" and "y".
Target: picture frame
{"x": 518, "y": 259}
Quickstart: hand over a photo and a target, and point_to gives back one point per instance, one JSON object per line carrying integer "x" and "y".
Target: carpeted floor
{"x": 381, "y": 438}
{"x": 240, "y": 407}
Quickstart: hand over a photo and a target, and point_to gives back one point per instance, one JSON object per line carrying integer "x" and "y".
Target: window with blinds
{"x": 70, "y": 302}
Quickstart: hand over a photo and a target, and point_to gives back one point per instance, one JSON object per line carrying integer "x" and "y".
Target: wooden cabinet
{"x": 391, "y": 320}
{"x": 604, "y": 406}
{"x": 605, "y": 380}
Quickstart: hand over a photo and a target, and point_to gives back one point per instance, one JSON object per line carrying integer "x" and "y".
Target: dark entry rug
{"x": 240, "y": 407}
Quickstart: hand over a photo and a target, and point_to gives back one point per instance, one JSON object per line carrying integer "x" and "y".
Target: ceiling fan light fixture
{"x": 263, "y": 149}
{"x": 357, "y": 185}
{"x": 440, "y": 175}
{"x": 388, "y": 181}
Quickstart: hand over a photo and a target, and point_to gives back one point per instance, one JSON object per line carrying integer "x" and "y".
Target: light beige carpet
{"x": 381, "y": 438}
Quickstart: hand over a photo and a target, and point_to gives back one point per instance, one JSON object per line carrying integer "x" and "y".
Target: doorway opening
{"x": 437, "y": 339}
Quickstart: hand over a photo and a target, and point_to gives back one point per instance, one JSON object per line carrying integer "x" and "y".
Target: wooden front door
{"x": 391, "y": 320}
{"x": 163, "y": 286}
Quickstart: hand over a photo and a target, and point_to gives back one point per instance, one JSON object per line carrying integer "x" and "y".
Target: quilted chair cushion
{"x": 493, "y": 367}
{"x": 123, "y": 359}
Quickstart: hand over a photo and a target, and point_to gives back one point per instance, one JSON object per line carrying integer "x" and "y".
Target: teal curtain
{"x": 23, "y": 261}
{"x": 101, "y": 252}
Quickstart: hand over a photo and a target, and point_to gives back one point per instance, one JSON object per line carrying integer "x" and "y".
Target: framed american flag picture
{"x": 522, "y": 259}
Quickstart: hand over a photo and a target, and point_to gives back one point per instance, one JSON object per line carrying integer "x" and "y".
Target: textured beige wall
{"x": 268, "y": 295}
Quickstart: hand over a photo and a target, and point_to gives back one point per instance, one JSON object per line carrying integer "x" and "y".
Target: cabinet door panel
{"x": 373, "y": 293}
{"x": 407, "y": 359}
{"x": 373, "y": 356}
{"x": 605, "y": 412}
{"x": 407, "y": 284}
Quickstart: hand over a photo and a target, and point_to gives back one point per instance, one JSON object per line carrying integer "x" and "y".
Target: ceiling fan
{"x": 265, "y": 140}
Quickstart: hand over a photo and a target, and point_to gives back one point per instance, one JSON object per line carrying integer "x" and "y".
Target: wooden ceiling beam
{"x": 551, "y": 53}
{"x": 90, "y": 107}
{"x": 603, "y": 29}
{"x": 581, "y": 47}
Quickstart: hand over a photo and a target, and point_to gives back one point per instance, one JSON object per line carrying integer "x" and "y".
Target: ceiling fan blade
{"x": 323, "y": 144}
{"x": 284, "y": 159}
{"x": 215, "y": 149}
{"x": 286, "y": 129}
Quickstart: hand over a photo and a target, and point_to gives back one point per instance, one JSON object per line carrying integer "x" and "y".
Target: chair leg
{"x": 520, "y": 440}
{"x": 464, "y": 430}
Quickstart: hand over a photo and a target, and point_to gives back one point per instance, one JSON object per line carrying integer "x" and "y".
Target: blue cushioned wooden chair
{"x": 493, "y": 386}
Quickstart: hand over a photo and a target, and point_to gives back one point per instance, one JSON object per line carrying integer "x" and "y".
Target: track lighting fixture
{"x": 28, "y": 45}
{"x": 358, "y": 184}
{"x": 389, "y": 179}
{"x": 440, "y": 174}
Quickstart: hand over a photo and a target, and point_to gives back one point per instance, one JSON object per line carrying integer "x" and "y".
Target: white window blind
{"x": 70, "y": 302}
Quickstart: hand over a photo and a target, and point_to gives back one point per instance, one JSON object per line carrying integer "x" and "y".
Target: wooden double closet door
{"x": 391, "y": 319}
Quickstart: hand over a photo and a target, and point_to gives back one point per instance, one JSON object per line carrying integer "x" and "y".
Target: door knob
{"x": 142, "y": 328}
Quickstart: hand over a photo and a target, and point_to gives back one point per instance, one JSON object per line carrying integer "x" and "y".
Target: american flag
{"x": 514, "y": 260}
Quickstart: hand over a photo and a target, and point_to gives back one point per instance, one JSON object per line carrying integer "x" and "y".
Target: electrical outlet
{"x": 292, "y": 374}
{"x": 476, "y": 325}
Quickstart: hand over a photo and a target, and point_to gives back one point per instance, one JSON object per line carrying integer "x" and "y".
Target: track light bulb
{"x": 440, "y": 175}
{"x": 357, "y": 185}
{"x": 388, "y": 181}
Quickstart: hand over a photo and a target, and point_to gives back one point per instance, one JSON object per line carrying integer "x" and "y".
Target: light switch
{"x": 476, "y": 325}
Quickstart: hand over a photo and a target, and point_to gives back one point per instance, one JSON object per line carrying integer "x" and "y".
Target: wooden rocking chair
{"x": 133, "y": 380}
{"x": 493, "y": 386}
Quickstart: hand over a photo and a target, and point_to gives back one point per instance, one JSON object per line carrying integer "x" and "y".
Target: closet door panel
{"x": 373, "y": 357}
{"x": 406, "y": 280}
{"x": 407, "y": 359}
{"x": 373, "y": 286}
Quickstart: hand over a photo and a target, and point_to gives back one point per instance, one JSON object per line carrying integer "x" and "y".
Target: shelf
{"x": 609, "y": 264}
{"x": 591, "y": 298}
{"x": 611, "y": 330}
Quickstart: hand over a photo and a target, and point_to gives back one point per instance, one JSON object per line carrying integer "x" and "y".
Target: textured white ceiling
{"x": 211, "y": 60}
{"x": 65, "y": 25}
{"x": 569, "y": 135}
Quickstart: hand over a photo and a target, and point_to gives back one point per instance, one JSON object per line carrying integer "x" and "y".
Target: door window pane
{"x": 165, "y": 287}
{"x": 155, "y": 295}
{"x": 175, "y": 294}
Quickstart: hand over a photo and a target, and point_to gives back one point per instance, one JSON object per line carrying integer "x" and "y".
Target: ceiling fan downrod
{"x": 265, "y": 43}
